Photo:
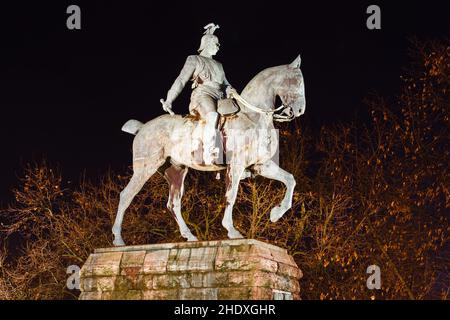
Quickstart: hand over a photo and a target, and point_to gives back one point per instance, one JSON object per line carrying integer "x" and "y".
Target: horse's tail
{"x": 132, "y": 126}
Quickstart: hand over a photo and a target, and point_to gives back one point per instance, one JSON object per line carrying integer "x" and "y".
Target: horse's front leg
{"x": 233, "y": 178}
{"x": 272, "y": 171}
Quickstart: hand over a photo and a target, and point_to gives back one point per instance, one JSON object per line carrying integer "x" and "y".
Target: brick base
{"x": 217, "y": 270}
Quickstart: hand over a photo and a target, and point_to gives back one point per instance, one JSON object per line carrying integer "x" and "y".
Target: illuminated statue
{"x": 249, "y": 138}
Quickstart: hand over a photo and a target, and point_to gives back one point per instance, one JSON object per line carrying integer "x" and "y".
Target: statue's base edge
{"x": 243, "y": 269}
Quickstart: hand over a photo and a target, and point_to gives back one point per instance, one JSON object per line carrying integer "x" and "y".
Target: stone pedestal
{"x": 217, "y": 270}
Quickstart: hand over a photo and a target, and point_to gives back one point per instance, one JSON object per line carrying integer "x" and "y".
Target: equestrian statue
{"x": 224, "y": 130}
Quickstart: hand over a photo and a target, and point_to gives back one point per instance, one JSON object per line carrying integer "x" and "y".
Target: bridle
{"x": 286, "y": 115}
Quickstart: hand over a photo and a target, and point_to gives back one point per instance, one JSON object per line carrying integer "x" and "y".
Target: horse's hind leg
{"x": 272, "y": 171}
{"x": 143, "y": 170}
{"x": 175, "y": 177}
{"x": 234, "y": 174}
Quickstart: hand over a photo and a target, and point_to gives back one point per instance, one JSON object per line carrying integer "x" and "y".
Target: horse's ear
{"x": 296, "y": 63}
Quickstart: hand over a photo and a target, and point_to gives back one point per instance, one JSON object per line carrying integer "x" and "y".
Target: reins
{"x": 276, "y": 117}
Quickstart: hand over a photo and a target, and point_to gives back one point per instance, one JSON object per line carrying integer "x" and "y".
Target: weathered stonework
{"x": 217, "y": 270}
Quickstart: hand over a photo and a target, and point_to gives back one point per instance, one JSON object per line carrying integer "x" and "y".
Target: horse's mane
{"x": 264, "y": 74}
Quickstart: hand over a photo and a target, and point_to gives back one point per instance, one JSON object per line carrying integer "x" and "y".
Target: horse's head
{"x": 291, "y": 88}
{"x": 285, "y": 82}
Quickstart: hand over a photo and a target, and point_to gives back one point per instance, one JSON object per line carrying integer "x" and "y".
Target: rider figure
{"x": 209, "y": 85}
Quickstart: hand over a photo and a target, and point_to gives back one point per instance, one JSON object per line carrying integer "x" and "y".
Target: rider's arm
{"x": 179, "y": 83}
{"x": 228, "y": 87}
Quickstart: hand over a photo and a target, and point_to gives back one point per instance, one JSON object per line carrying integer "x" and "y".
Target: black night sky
{"x": 64, "y": 95}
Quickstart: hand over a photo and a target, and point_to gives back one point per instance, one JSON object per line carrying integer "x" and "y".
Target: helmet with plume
{"x": 208, "y": 35}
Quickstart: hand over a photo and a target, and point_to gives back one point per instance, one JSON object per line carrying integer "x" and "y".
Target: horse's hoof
{"x": 118, "y": 242}
{"x": 234, "y": 234}
{"x": 276, "y": 213}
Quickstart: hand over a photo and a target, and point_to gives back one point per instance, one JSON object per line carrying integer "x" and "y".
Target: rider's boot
{"x": 210, "y": 151}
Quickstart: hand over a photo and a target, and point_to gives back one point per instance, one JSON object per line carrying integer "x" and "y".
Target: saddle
{"x": 225, "y": 108}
